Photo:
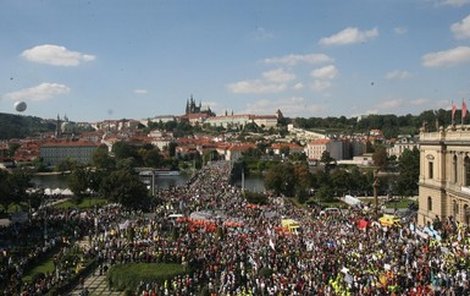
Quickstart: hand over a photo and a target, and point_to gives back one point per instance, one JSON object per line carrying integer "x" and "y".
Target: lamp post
{"x": 375, "y": 185}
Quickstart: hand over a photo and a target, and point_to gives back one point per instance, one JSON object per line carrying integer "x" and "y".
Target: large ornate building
{"x": 444, "y": 181}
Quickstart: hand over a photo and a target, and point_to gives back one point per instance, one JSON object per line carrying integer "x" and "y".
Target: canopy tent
{"x": 67, "y": 191}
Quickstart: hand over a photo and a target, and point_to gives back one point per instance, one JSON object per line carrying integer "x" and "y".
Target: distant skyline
{"x": 96, "y": 60}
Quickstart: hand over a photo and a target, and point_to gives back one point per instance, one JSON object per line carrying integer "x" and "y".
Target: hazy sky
{"x": 95, "y": 60}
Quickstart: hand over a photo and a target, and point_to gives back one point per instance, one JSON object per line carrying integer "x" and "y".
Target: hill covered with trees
{"x": 19, "y": 126}
{"x": 391, "y": 125}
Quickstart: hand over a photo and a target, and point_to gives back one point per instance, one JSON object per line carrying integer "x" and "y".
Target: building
{"x": 53, "y": 153}
{"x": 444, "y": 181}
{"x": 401, "y": 144}
{"x": 292, "y": 148}
{"x": 230, "y": 121}
{"x": 315, "y": 149}
{"x": 265, "y": 121}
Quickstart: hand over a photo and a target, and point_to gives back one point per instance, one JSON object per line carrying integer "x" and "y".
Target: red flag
{"x": 464, "y": 110}
{"x": 454, "y": 109}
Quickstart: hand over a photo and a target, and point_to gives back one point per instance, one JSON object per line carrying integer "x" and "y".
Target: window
{"x": 467, "y": 170}
{"x": 454, "y": 164}
{"x": 456, "y": 208}
{"x": 429, "y": 203}
{"x": 466, "y": 212}
{"x": 430, "y": 170}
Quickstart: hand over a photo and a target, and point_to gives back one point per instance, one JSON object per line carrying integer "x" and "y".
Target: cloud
{"x": 455, "y": 3}
{"x": 349, "y": 35}
{"x": 278, "y": 75}
{"x": 321, "y": 85}
{"x": 449, "y": 57}
{"x": 55, "y": 55}
{"x": 41, "y": 92}
{"x": 298, "y": 86}
{"x": 400, "y": 30}
{"x": 327, "y": 72}
{"x": 256, "y": 87}
{"x": 419, "y": 102}
{"x": 400, "y": 105}
{"x": 397, "y": 75}
{"x": 292, "y": 107}
{"x": 461, "y": 29}
{"x": 294, "y": 59}
{"x": 261, "y": 34}
{"x": 273, "y": 81}
{"x": 391, "y": 104}
{"x": 372, "y": 111}
{"x": 141, "y": 91}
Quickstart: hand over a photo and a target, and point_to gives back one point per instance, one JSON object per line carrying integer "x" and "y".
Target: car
{"x": 389, "y": 220}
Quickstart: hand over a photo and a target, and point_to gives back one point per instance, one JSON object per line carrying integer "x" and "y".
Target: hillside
{"x": 19, "y": 126}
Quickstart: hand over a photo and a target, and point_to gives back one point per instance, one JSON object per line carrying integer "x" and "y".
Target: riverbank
{"x": 52, "y": 173}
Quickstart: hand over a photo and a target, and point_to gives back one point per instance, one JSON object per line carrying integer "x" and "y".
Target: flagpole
{"x": 452, "y": 112}
{"x": 464, "y": 110}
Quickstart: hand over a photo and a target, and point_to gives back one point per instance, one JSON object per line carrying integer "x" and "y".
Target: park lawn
{"x": 129, "y": 276}
{"x": 45, "y": 267}
{"x": 15, "y": 207}
{"x": 403, "y": 203}
{"x": 85, "y": 203}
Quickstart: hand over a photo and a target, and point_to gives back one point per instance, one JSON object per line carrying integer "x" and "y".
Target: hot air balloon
{"x": 20, "y": 106}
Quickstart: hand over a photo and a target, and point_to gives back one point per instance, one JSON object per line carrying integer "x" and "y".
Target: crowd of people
{"x": 246, "y": 252}
{"x": 51, "y": 232}
{"x": 253, "y": 256}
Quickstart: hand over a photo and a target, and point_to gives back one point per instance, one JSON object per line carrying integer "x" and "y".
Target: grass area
{"x": 403, "y": 203}
{"x": 44, "y": 267}
{"x": 333, "y": 204}
{"x": 85, "y": 203}
{"x": 15, "y": 207}
{"x": 296, "y": 202}
{"x": 129, "y": 276}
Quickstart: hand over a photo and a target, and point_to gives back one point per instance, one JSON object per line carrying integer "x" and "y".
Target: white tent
{"x": 47, "y": 191}
{"x": 57, "y": 191}
{"x": 351, "y": 200}
{"x": 67, "y": 191}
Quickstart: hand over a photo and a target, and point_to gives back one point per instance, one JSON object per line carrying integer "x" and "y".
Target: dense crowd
{"x": 327, "y": 256}
{"x": 50, "y": 232}
{"x": 234, "y": 248}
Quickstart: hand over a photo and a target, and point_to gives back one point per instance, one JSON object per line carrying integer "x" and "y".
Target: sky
{"x": 111, "y": 59}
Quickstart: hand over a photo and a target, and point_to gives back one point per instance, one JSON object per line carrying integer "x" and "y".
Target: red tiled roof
{"x": 69, "y": 144}
{"x": 320, "y": 142}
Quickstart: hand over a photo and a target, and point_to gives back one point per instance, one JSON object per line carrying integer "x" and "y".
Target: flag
{"x": 464, "y": 110}
{"x": 271, "y": 244}
{"x": 454, "y": 109}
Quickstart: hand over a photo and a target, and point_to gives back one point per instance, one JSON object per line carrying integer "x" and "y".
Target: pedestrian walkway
{"x": 96, "y": 285}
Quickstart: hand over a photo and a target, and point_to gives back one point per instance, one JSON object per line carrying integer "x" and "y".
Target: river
{"x": 252, "y": 183}
{"x": 60, "y": 181}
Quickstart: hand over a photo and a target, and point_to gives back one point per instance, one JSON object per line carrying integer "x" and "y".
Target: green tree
{"x": 408, "y": 167}
{"x": 324, "y": 194}
{"x": 302, "y": 176}
{"x": 327, "y": 160}
{"x": 380, "y": 157}
{"x": 13, "y": 187}
{"x": 12, "y": 147}
{"x": 66, "y": 165}
{"x": 102, "y": 160}
{"x": 281, "y": 179}
{"x": 125, "y": 188}
{"x": 342, "y": 182}
{"x": 152, "y": 158}
{"x": 79, "y": 182}
{"x": 172, "y": 149}
{"x": 123, "y": 150}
